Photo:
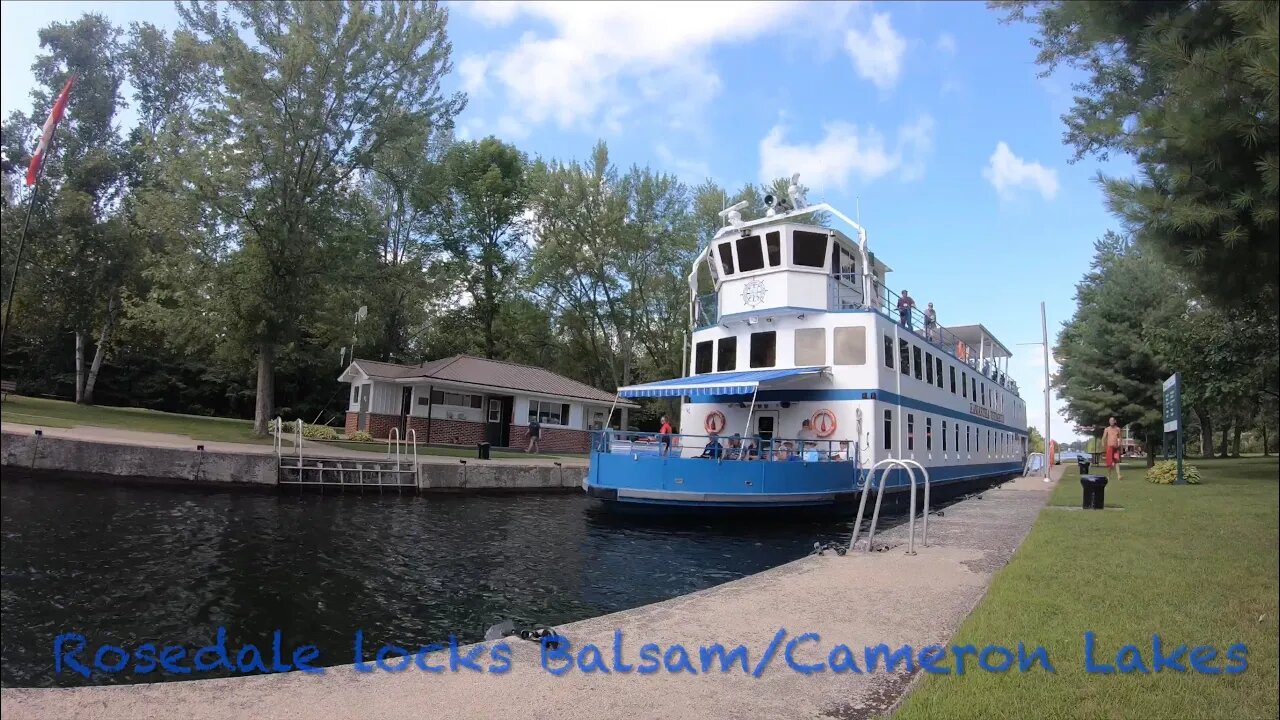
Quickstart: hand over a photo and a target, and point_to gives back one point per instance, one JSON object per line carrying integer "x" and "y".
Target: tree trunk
{"x": 1235, "y": 441}
{"x": 266, "y": 389}
{"x": 1222, "y": 450}
{"x": 113, "y": 307}
{"x": 1265, "y": 451}
{"x": 1206, "y": 434}
{"x": 1149, "y": 439}
{"x": 79, "y": 366}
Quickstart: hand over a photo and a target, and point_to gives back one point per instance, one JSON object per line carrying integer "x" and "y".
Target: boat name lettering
{"x": 976, "y": 409}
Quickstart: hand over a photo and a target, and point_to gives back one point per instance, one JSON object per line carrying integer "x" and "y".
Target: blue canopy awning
{"x": 729, "y": 383}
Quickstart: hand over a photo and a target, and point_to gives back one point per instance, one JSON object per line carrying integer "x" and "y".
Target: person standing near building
{"x": 535, "y": 431}
{"x": 905, "y": 305}
{"x": 1111, "y": 445}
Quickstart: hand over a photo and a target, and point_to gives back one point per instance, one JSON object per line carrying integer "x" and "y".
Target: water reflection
{"x": 127, "y": 565}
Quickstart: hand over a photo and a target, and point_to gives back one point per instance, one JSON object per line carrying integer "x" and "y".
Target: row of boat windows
{"x": 927, "y": 367}
{"x": 808, "y": 249}
{"x": 999, "y": 443}
{"x": 849, "y": 347}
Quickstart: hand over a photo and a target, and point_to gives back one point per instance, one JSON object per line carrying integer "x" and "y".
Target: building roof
{"x": 472, "y": 370}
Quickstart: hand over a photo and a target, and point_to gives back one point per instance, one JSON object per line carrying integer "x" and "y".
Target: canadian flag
{"x": 59, "y": 107}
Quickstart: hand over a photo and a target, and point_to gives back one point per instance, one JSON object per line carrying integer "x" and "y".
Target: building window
{"x": 851, "y": 346}
{"x": 726, "y": 257}
{"x": 440, "y": 397}
{"x": 904, "y": 354}
{"x": 808, "y": 249}
{"x": 953, "y": 379}
{"x": 355, "y": 394}
{"x": 750, "y": 255}
{"x": 727, "y": 354}
{"x": 916, "y": 352}
{"x": 702, "y": 357}
{"x": 911, "y": 431}
{"x": 764, "y": 349}
{"x": 888, "y": 429}
{"x": 964, "y": 386}
{"x": 928, "y": 367}
{"x": 811, "y": 347}
{"x": 888, "y": 352}
{"x": 549, "y": 413}
{"x": 495, "y": 410}
{"x": 773, "y": 243}
{"x": 944, "y": 436}
{"x": 937, "y": 362}
{"x": 597, "y": 420}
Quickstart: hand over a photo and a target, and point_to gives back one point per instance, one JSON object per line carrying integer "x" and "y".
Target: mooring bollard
{"x": 1094, "y": 492}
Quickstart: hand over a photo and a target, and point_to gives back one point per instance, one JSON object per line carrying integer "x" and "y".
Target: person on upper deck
{"x": 930, "y": 323}
{"x": 905, "y": 305}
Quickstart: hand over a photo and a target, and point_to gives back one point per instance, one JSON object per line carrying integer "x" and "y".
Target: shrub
{"x": 1165, "y": 472}
{"x": 319, "y": 432}
{"x": 360, "y": 436}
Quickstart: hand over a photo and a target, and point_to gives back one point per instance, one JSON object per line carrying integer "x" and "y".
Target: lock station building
{"x": 466, "y": 400}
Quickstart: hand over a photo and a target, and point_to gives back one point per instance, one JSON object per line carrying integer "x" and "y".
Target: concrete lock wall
{"x": 137, "y": 461}
{"x": 498, "y": 476}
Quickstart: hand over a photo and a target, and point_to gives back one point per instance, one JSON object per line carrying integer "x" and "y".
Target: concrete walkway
{"x": 118, "y": 436}
{"x": 859, "y": 600}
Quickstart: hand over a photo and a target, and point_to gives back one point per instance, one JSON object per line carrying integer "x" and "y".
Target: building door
{"x": 362, "y": 420}
{"x": 766, "y": 424}
{"x": 406, "y": 406}
{"x": 498, "y": 425}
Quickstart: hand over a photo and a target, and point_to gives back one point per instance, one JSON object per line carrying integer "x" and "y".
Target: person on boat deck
{"x": 664, "y": 436}
{"x": 735, "y": 447}
{"x": 752, "y": 450}
{"x": 713, "y": 449}
{"x": 841, "y": 452}
{"x": 905, "y": 305}
{"x": 807, "y": 436}
{"x": 784, "y": 452}
{"x": 930, "y": 323}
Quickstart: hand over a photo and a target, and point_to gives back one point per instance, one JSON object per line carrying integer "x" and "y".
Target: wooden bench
{"x": 6, "y": 387}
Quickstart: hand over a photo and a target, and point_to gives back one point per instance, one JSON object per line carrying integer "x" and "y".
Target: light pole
{"x": 1044, "y": 344}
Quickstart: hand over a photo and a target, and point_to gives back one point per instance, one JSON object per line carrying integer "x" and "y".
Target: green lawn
{"x": 1196, "y": 564}
{"x": 60, "y": 413}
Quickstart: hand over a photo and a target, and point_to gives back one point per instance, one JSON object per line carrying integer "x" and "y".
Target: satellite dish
{"x": 362, "y": 313}
{"x": 733, "y": 215}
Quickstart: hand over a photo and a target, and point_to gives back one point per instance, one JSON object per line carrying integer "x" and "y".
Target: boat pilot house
{"x": 467, "y": 400}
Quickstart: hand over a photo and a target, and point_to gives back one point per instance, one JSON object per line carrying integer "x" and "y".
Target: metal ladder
{"x": 875, "y": 515}
{"x": 343, "y": 473}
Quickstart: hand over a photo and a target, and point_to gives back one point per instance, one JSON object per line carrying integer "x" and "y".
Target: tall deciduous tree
{"x": 310, "y": 93}
{"x": 1188, "y": 89}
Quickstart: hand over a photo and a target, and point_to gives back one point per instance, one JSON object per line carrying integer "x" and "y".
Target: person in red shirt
{"x": 664, "y": 436}
{"x": 1111, "y": 445}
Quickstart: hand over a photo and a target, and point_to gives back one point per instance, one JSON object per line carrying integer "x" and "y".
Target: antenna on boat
{"x": 857, "y": 209}
{"x": 795, "y": 194}
{"x": 733, "y": 216}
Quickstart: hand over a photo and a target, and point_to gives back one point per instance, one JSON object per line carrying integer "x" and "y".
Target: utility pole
{"x": 1044, "y": 337}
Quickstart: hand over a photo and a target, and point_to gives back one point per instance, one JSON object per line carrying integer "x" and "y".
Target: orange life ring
{"x": 714, "y": 422}
{"x": 824, "y": 423}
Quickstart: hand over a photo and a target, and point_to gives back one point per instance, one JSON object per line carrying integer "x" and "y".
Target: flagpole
{"x": 22, "y": 244}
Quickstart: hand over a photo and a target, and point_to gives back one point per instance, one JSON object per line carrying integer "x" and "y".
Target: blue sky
{"x": 930, "y": 115}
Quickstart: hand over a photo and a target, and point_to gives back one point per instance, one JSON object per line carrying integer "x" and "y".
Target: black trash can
{"x": 482, "y": 451}
{"x": 1082, "y": 461}
{"x": 1094, "y": 491}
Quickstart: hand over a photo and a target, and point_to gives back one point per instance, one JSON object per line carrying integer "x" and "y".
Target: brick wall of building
{"x": 449, "y": 432}
{"x": 353, "y": 423}
{"x": 552, "y": 439}
{"x": 465, "y": 432}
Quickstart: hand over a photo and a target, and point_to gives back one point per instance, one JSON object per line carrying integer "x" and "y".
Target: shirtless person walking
{"x": 1111, "y": 445}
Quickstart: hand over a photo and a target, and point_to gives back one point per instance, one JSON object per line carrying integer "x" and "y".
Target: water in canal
{"x": 127, "y": 565}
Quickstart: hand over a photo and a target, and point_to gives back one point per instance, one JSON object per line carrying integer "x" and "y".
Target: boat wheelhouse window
{"x": 702, "y": 357}
{"x": 808, "y": 249}
{"x": 773, "y": 243}
{"x": 727, "y": 354}
{"x": 851, "y": 346}
{"x": 888, "y": 352}
{"x": 911, "y": 431}
{"x": 811, "y": 346}
{"x": 928, "y": 433}
{"x": 937, "y": 362}
{"x": 764, "y": 349}
{"x": 726, "y": 257}
{"x": 928, "y": 367}
{"x": 964, "y": 384}
{"x": 904, "y": 354}
{"x": 750, "y": 254}
{"x": 888, "y": 429}
{"x": 916, "y": 352}
{"x": 944, "y": 436}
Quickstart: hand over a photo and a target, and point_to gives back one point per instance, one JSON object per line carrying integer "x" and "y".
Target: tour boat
{"x": 791, "y": 321}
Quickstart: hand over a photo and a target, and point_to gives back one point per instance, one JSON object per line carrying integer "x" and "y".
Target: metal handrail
{"x": 411, "y": 438}
{"x": 875, "y": 515}
{"x": 393, "y": 437}
{"x": 297, "y": 428}
{"x": 766, "y": 449}
{"x": 278, "y": 432}
{"x": 924, "y": 534}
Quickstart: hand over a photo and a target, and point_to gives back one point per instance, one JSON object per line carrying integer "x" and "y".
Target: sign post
{"x": 1173, "y": 419}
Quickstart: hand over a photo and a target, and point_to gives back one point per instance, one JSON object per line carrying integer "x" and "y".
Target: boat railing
{"x": 727, "y": 448}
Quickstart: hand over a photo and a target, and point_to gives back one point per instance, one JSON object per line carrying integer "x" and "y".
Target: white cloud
{"x": 472, "y": 69}
{"x": 1007, "y": 172}
{"x": 689, "y": 170}
{"x": 844, "y": 152}
{"x": 877, "y": 52}
{"x": 946, "y": 43}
